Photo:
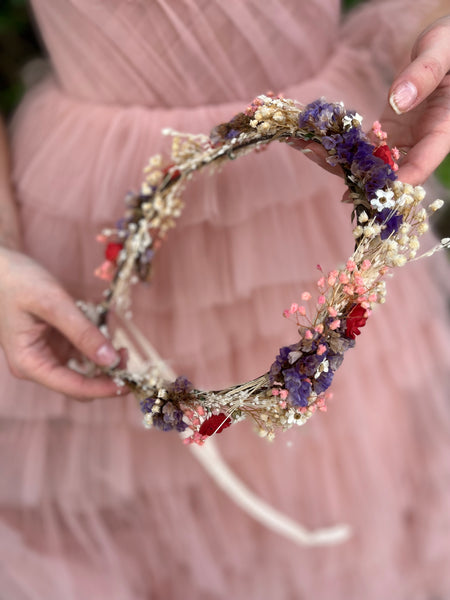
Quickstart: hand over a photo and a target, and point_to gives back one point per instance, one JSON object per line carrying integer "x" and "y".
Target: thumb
{"x": 431, "y": 61}
{"x": 62, "y": 313}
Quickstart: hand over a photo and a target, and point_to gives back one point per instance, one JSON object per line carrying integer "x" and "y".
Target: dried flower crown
{"x": 388, "y": 219}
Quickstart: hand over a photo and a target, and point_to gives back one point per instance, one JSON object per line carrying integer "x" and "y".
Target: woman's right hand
{"x": 41, "y": 326}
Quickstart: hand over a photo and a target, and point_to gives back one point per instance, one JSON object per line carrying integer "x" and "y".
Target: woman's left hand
{"x": 417, "y": 118}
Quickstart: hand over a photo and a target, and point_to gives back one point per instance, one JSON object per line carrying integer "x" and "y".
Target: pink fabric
{"x": 92, "y": 505}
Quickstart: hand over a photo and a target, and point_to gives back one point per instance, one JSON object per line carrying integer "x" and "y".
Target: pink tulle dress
{"x": 92, "y": 506}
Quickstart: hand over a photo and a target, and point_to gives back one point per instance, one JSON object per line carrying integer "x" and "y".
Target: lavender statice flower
{"x": 233, "y": 133}
{"x": 181, "y": 385}
{"x": 167, "y": 417}
{"x": 310, "y": 364}
{"x": 298, "y": 386}
{"x": 323, "y": 382}
{"x": 335, "y": 360}
{"x": 147, "y": 404}
{"x": 349, "y": 145}
{"x": 320, "y": 116}
{"x": 329, "y": 142}
{"x": 281, "y": 361}
{"x": 378, "y": 178}
{"x": 173, "y": 416}
{"x": 391, "y": 221}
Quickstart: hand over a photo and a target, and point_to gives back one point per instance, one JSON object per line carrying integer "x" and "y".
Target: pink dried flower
{"x": 308, "y": 334}
{"x": 306, "y": 296}
{"x": 321, "y": 299}
{"x": 106, "y": 271}
{"x": 321, "y": 283}
{"x": 335, "y": 324}
{"x": 332, "y": 276}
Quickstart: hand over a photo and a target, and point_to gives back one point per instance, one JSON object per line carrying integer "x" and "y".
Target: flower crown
{"x": 388, "y": 220}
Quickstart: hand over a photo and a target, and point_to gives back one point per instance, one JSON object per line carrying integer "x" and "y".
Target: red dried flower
{"x": 112, "y": 251}
{"x": 215, "y": 424}
{"x": 355, "y": 321}
{"x": 385, "y": 154}
{"x": 174, "y": 175}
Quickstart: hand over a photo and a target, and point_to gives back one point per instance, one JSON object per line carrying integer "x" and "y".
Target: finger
{"x": 65, "y": 381}
{"x": 317, "y": 153}
{"x": 60, "y": 311}
{"x": 423, "y": 158}
{"x": 431, "y": 62}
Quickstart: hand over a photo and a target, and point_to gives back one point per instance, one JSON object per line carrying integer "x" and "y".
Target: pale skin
{"x": 39, "y": 322}
{"x": 36, "y": 311}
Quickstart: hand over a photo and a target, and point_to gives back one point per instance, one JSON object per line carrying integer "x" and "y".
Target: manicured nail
{"x": 403, "y": 97}
{"x": 107, "y": 356}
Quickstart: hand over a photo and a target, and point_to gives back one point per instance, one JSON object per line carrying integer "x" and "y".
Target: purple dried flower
{"x": 310, "y": 364}
{"x": 147, "y": 405}
{"x": 335, "y": 360}
{"x": 298, "y": 386}
{"x": 319, "y": 116}
{"x": 323, "y": 382}
{"x": 391, "y": 221}
{"x": 233, "y": 133}
{"x": 281, "y": 361}
{"x": 181, "y": 385}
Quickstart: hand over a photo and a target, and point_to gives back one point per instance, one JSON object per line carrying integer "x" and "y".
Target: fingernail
{"x": 107, "y": 356}
{"x": 403, "y": 97}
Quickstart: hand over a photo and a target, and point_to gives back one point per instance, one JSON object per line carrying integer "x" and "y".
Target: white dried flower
{"x": 408, "y": 189}
{"x": 399, "y": 260}
{"x": 279, "y": 117}
{"x": 436, "y": 205}
{"x": 419, "y": 193}
{"x": 369, "y": 231}
{"x": 155, "y": 161}
{"x": 421, "y": 215}
{"x": 363, "y": 218}
{"x": 266, "y": 112}
{"x": 414, "y": 243}
{"x": 384, "y": 199}
{"x": 404, "y": 200}
{"x": 264, "y": 128}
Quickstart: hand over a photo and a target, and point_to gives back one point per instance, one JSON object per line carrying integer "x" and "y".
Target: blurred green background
{"x": 19, "y": 44}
